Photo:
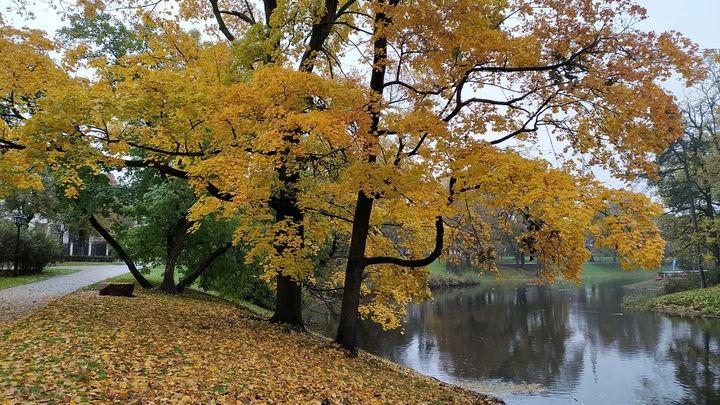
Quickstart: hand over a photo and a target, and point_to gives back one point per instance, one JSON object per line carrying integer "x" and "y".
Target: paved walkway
{"x": 17, "y": 301}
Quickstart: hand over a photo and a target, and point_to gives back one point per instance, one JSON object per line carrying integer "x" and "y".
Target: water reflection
{"x": 575, "y": 342}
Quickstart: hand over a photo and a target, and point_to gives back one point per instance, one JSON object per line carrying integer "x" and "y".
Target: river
{"x": 538, "y": 345}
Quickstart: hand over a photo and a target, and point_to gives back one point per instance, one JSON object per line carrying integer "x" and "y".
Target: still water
{"x": 532, "y": 345}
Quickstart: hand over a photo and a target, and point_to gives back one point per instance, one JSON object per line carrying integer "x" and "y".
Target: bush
{"x": 233, "y": 279}
{"x": 712, "y": 277}
{"x": 37, "y": 249}
{"x": 680, "y": 285}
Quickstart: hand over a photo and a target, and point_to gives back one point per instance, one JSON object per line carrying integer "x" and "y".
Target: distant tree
{"x": 689, "y": 169}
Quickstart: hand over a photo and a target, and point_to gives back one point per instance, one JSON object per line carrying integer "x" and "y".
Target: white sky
{"x": 696, "y": 19}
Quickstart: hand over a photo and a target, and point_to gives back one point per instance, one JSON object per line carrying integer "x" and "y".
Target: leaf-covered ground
{"x": 159, "y": 349}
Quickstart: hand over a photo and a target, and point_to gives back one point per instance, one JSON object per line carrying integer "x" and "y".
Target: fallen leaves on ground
{"x": 196, "y": 349}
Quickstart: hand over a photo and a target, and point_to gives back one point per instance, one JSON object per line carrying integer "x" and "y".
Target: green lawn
{"x": 153, "y": 275}
{"x": 601, "y": 270}
{"x": 7, "y": 282}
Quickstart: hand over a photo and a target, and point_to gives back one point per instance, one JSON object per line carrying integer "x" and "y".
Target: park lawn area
{"x": 593, "y": 272}
{"x": 8, "y": 282}
{"x": 157, "y": 348}
{"x": 152, "y": 274}
{"x": 597, "y": 272}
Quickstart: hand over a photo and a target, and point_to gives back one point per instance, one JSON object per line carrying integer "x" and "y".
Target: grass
{"x": 194, "y": 348}
{"x": 8, "y": 282}
{"x": 697, "y": 302}
{"x": 637, "y": 302}
{"x": 153, "y": 275}
{"x": 440, "y": 277}
{"x": 593, "y": 272}
{"x": 80, "y": 264}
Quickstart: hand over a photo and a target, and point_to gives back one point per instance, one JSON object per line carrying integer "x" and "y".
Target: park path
{"x": 17, "y": 301}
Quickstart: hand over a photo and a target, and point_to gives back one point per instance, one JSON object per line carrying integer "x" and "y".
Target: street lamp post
{"x": 19, "y": 221}
{"x": 61, "y": 229}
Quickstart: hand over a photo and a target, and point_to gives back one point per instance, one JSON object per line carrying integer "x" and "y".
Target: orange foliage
{"x": 405, "y": 98}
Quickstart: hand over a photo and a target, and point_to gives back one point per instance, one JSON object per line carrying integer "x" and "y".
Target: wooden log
{"x": 117, "y": 289}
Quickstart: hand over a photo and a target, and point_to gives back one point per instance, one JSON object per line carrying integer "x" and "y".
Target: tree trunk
{"x": 289, "y": 303}
{"x": 176, "y": 243}
{"x": 347, "y": 327}
{"x": 190, "y": 278}
{"x": 289, "y": 292}
{"x": 120, "y": 251}
{"x": 715, "y": 246}
{"x": 693, "y": 217}
{"x": 614, "y": 258}
{"x": 693, "y": 212}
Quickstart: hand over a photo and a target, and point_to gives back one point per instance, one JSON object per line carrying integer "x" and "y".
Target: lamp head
{"x": 19, "y": 219}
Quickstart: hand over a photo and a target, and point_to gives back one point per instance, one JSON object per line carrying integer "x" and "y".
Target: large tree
{"x": 364, "y": 116}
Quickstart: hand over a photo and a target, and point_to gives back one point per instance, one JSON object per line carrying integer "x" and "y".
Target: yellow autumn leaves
{"x": 397, "y": 106}
{"x": 154, "y": 349}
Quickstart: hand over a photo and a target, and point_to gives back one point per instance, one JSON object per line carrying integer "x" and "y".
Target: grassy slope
{"x": 195, "y": 348}
{"x": 698, "y": 302}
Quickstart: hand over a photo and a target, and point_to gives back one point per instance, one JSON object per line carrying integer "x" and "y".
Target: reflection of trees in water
{"x": 542, "y": 335}
{"x": 697, "y": 365}
{"x": 516, "y": 335}
{"x": 601, "y": 324}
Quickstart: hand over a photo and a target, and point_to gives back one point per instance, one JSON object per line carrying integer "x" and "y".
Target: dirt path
{"x": 17, "y": 301}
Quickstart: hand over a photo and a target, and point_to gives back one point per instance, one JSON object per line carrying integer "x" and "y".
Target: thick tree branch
{"x": 190, "y": 278}
{"x": 440, "y": 234}
{"x": 221, "y": 23}
{"x": 171, "y": 171}
{"x": 120, "y": 251}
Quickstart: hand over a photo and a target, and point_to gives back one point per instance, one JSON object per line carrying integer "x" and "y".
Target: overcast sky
{"x": 698, "y": 20}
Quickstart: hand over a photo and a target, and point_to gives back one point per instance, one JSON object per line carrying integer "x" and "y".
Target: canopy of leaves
{"x": 386, "y": 117}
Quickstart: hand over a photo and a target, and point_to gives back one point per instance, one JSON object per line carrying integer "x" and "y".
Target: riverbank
{"x": 696, "y": 303}
{"x": 193, "y": 348}
{"x": 593, "y": 272}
